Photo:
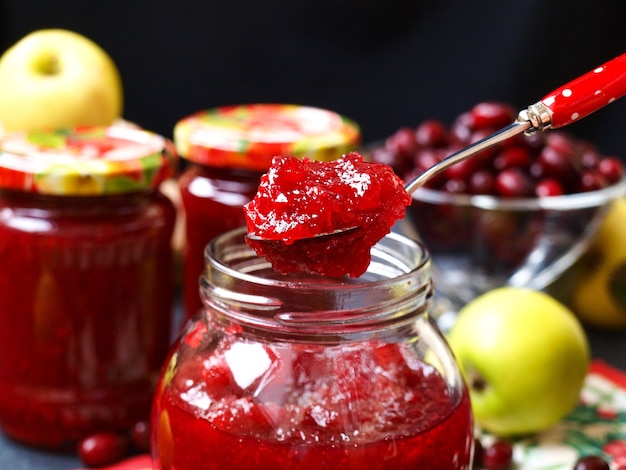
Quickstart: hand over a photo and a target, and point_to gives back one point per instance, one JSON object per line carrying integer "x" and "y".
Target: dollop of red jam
{"x": 324, "y": 217}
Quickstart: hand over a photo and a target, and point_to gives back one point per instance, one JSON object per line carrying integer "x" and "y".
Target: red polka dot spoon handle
{"x": 565, "y": 105}
{"x": 587, "y": 93}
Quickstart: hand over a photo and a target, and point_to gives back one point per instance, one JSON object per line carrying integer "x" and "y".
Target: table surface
{"x": 605, "y": 345}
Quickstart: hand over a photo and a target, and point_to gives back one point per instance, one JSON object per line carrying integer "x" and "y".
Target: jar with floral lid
{"x": 225, "y": 151}
{"x": 308, "y": 372}
{"x": 85, "y": 280}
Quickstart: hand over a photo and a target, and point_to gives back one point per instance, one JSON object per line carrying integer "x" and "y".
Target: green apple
{"x": 55, "y": 78}
{"x": 598, "y": 291}
{"x": 524, "y": 356}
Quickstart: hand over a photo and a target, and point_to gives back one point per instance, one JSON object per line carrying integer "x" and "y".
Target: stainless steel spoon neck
{"x": 517, "y": 127}
{"x": 536, "y": 118}
{"x": 538, "y": 115}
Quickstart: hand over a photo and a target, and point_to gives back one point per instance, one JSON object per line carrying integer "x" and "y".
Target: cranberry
{"x": 513, "y": 183}
{"x": 402, "y": 142}
{"x": 497, "y": 456}
{"x": 611, "y": 168}
{"x": 463, "y": 169}
{"x": 98, "y": 450}
{"x": 140, "y": 435}
{"x": 557, "y": 164}
{"x": 590, "y": 157}
{"x": 591, "y": 462}
{"x": 455, "y": 186}
{"x": 400, "y": 163}
{"x": 431, "y": 133}
{"x": 512, "y": 157}
{"x": 561, "y": 143}
{"x": 426, "y": 158}
{"x": 482, "y": 182}
{"x": 462, "y": 127}
{"x": 593, "y": 180}
{"x": 492, "y": 114}
{"x": 549, "y": 187}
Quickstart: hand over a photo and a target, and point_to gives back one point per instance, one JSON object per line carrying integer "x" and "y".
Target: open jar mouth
{"x": 238, "y": 285}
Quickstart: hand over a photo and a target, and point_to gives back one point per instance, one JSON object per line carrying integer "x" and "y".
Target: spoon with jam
{"x": 324, "y": 217}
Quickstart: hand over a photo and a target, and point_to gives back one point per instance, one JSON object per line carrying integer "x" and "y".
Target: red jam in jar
{"x": 86, "y": 281}
{"x": 308, "y": 372}
{"x": 226, "y": 150}
{"x": 323, "y": 217}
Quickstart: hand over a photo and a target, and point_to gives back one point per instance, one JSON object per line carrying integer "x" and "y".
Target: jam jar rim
{"x": 319, "y": 304}
{"x": 44, "y": 162}
{"x": 237, "y": 135}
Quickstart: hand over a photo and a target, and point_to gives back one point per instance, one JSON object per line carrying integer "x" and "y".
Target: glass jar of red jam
{"x": 308, "y": 372}
{"x": 225, "y": 152}
{"x": 85, "y": 281}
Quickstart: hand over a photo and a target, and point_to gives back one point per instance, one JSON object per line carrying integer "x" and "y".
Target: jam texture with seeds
{"x": 301, "y": 205}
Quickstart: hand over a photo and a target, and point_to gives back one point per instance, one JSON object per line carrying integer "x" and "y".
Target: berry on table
{"x": 496, "y": 456}
{"x": 100, "y": 449}
{"x": 591, "y": 462}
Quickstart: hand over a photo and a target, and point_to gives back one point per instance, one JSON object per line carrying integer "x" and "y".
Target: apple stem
{"x": 49, "y": 65}
{"x": 476, "y": 381}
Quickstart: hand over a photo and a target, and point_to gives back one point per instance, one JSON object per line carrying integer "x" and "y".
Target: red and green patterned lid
{"x": 249, "y": 136}
{"x": 84, "y": 161}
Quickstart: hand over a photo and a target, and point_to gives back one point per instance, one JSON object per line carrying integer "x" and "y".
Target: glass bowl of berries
{"x": 519, "y": 213}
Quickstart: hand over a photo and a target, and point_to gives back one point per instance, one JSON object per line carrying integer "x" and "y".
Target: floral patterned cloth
{"x": 597, "y": 426}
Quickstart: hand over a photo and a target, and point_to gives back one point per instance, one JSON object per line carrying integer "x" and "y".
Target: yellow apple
{"x": 524, "y": 356}
{"x": 55, "y": 78}
{"x": 599, "y": 288}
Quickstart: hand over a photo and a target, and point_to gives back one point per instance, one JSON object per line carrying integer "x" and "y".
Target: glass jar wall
{"x": 304, "y": 372}
{"x": 226, "y": 150}
{"x": 86, "y": 285}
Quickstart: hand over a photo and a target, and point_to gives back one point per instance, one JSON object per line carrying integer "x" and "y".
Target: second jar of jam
{"x": 226, "y": 150}
{"x": 300, "y": 371}
{"x": 85, "y": 281}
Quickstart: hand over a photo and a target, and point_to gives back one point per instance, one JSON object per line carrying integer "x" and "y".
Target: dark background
{"x": 384, "y": 63}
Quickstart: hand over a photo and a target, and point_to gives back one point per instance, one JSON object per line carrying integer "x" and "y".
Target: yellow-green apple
{"x": 55, "y": 78}
{"x": 524, "y": 356}
{"x": 599, "y": 285}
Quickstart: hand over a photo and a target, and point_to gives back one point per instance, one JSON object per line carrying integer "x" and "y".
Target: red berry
{"x": 455, "y": 187}
{"x": 498, "y": 456}
{"x": 462, "y": 127}
{"x": 492, "y": 114}
{"x": 426, "y": 158}
{"x": 431, "y": 133}
{"x": 611, "y": 168}
{"x": 482, "y": 182}
{"x": 561, "y": 143}
{"x": 463, "y": 169}
{"x": 510, "y": 157}
{"x": 591, "y": 462}
{"x": 513, "y": 183}
{"x": 593, "y": 180}
{"x": 402, "y": 142}
{"x": 400, "y": 163}
{"x": 590, "y": 157}
{"x": 557, "y": 164}
{"x": 98, "y": 450}
{"x": 549, "y": 187}
{"x": 140, "y": 435}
